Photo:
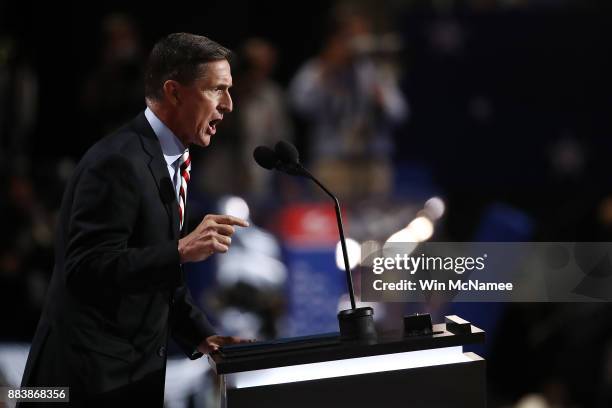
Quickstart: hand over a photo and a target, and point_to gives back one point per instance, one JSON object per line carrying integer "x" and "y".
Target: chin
{"x": 204, "y": 141}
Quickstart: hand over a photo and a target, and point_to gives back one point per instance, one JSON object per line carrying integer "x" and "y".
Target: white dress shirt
{"x": 171, "y": 146}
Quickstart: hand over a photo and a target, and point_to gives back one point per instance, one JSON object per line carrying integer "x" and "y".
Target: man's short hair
{"x": 179, "y": 57}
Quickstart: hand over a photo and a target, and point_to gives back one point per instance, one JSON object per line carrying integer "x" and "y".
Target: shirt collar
{"x": 171, "y": 146}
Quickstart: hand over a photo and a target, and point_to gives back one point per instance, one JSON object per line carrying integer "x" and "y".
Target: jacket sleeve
{"x": 190, "y": 327}
{"x": 104, "y": 211}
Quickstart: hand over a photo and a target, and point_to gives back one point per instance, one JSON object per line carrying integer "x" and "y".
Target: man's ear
{"x": 171, "y": 90}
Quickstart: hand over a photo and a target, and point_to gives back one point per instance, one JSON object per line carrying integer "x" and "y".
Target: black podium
{"x": 323, "y": 371}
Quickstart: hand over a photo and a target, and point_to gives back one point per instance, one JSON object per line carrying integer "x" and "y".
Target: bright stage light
{"x": 421, "y": 228}
{"x": 403, "y": 235}
{"x": 236, "y": 206}
{"x": 434, "y": 208}
{"x": 353, "y": 249}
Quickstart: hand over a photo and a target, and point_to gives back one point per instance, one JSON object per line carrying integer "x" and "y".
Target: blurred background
{"x": 440, "y": 120}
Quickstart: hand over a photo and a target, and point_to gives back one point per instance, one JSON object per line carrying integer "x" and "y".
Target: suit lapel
{"x": 159, "y": 171}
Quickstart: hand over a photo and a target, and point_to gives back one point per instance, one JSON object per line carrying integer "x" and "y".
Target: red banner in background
{"x": 309, "y": 225}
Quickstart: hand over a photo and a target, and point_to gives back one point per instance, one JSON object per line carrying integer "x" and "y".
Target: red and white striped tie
{"x": 185, "y": 167}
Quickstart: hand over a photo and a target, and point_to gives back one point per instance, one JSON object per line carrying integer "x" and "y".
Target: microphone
{"x": 355, "y": 323}
{"x": 265, "y": 157}
{"x": 287, "y": 152}
{"x": 271, "y": 160}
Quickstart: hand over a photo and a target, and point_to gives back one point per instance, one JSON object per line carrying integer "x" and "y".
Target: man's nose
{"x": 226, "y": 105}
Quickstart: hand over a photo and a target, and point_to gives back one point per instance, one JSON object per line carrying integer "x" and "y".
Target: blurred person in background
{"x": 352, "y": 104}
{"x": 19, "y": 98}
{"x": 26, "y": 213}
{"x": 26, "y": 250}
{"x": 118, "y": 288}
{"x": 114, "y": 89}
{"x": 263, "y": 116}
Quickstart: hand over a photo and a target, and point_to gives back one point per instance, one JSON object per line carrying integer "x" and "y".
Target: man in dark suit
{"x": 118, "y": 290}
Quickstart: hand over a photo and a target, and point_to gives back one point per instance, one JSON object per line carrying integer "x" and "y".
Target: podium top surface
{"x": 327, "y": 347}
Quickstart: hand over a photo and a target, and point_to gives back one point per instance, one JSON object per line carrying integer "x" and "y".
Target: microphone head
{"x": 265, "y": 157}
{"x": 286, "y": 152}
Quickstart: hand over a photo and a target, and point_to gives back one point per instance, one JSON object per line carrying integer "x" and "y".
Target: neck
{"x": 168, "y": 118}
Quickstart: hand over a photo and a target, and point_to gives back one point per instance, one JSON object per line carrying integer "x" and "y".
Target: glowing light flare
{"x": 236, "y": 206}
{"x": 434, "y": 208}
{"x": 353, "y": 249}
{"x": 403, "y": 235}
{"x": 421, "y": 228}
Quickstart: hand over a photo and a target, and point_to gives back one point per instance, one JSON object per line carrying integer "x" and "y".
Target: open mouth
{"x": 212, "y": 126}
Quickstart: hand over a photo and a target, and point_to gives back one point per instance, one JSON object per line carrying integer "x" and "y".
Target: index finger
{"x": 231, "y": 220}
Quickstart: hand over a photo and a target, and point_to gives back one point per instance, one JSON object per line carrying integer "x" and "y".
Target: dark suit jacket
{"x": 117, "y": 290}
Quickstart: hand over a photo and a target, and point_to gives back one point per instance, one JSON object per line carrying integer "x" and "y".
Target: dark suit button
{"x": 161, "y": 351}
